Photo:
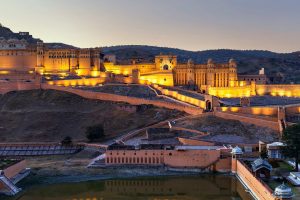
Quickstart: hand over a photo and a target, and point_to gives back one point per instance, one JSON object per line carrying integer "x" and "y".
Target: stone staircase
{"x": 12, "y": 188}
{"x": 98, "y": 162}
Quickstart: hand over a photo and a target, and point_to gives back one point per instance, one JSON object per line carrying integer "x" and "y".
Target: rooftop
{"x": 260, "y": 163}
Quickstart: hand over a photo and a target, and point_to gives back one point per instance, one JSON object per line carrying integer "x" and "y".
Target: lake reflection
{"x": 163, "y": 188}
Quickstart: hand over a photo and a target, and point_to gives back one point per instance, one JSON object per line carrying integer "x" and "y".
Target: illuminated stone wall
{"x": 292, "y": 90}
{"x": 254, "y": 89}
{"x": 271, "y": 111}
{"x": 17, "y": 60}
{"x": 40, "y": 58}
{"x": 159, "y": 77}
{"x": 180, "y": 97}
{"x": 127, "y": 69}
{"x": 119, "y": 98}
{"x": 230, "y": 92}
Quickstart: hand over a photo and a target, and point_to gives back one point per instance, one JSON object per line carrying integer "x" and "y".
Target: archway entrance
{"x": 166, "y": 67}
{"x": 208, "y": 105}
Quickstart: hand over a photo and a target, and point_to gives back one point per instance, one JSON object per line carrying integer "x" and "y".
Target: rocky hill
{"x": 49, "y": 116}
{"x": 6, "y": 33}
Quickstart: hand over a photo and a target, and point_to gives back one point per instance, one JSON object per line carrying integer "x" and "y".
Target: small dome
{"x": 232, "y": 61}
{"x": 210, "y": 61}
{"x": 283, "y": 191}
{"x": 236, "y": 151}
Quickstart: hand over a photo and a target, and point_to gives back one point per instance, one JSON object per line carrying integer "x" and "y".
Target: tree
{"x": 94, "y": 133}
{"x": 264, "y": 154}
{"x": 291, "y": 137}
{"x": 67, "y": 141}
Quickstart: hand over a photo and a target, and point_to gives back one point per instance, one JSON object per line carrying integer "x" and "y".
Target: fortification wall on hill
{"x": 257, "y": 187}
{"x": 6, "y": 87}
{"x": 271, "y": 111}
{"x": 271, "y": 123}
{"x": 288, "y": 90}
{"x": 119, "y": 98}
{"x": 181, "y": 97}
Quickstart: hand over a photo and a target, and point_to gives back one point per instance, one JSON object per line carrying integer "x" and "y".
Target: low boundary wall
{"x": 259, "y": 121}
{"x": 258, "y": 188}
{"x": 126, "y": 99}
{"x": 14, "y": 169}
{"x": 37, "y": 149}
{"x": 6, "y": 87}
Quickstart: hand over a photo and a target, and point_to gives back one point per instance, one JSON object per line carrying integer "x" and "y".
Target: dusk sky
{"x": 187, "y": 24}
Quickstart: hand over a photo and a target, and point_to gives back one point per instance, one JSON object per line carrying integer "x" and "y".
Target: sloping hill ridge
{"x": 49, "y": 116}
{"x": 284, "y": 67}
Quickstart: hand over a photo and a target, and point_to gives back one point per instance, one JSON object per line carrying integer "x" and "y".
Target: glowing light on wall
{"x": 4, "y": 72}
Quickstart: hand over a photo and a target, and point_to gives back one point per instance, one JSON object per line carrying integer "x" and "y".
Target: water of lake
{"x": 204, "y": 187}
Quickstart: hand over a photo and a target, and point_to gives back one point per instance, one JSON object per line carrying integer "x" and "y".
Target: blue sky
{"x": 188, "y": 24}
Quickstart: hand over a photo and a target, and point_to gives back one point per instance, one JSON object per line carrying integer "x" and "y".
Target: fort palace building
{"x": 17, "y": 56}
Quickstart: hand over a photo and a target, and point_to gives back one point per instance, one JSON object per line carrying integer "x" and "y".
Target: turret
{"x": 283, "y": 192}
{"x": 236, "y": 153}
{"x": 190, "y": 72}
{"x": 210, "y": 73}
{"x": 40, "y": 54}
{"x": 232, "y": 73}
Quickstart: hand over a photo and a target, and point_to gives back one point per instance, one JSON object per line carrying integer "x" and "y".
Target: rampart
{"x": 258, "y": 188}
{"x": 181, "y": 97}
{"x": 287, "y": 90}
{"x": 270, "y": 111}
{"x": 17, "y": 85}
{"x": 119, "y": 98}
{"x": 37, "y": 149}
{"x": 14, "y": 169}
{"x": 271, "y": 123}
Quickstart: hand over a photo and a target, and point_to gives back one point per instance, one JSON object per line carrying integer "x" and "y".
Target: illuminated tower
{"x": 39, "y": 68}
{"x": 165, "y": 62}
{"x": 40, "y": 54}
{"x": 236, "y": 153}
{"x": 232, "y": 76}
{"x": 190, "y": 72}
{"x": 210, "y": 78}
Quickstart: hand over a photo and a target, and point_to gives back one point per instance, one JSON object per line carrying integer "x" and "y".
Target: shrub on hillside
{"x": 95, "y": 132}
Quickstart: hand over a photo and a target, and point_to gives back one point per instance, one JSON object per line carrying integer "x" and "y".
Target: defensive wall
{"x": 257, "y": 187}
{"x": 181, "y": 97}
{"x": 285, "y": 90}
{"x": 271, "y": 123}
{"x": 259, "y": 115}
{"x": 14, "y": 169}
{"x": 37, "y": 149}
{"x": 17, "y": 86}
{"x": 126, "y": 99}
{"x": 197, "y": 158}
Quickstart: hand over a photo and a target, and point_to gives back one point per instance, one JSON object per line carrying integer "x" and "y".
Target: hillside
{"x": 279, "y": 66}
{"x": 6, "y": 33}
{"x": 48, "y": 115}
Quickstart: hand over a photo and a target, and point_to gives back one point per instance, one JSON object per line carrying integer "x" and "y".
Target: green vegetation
{"x": 291, "y": 136}
{"x": 5, "y": 163}
{"x": 95, "y": 133}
